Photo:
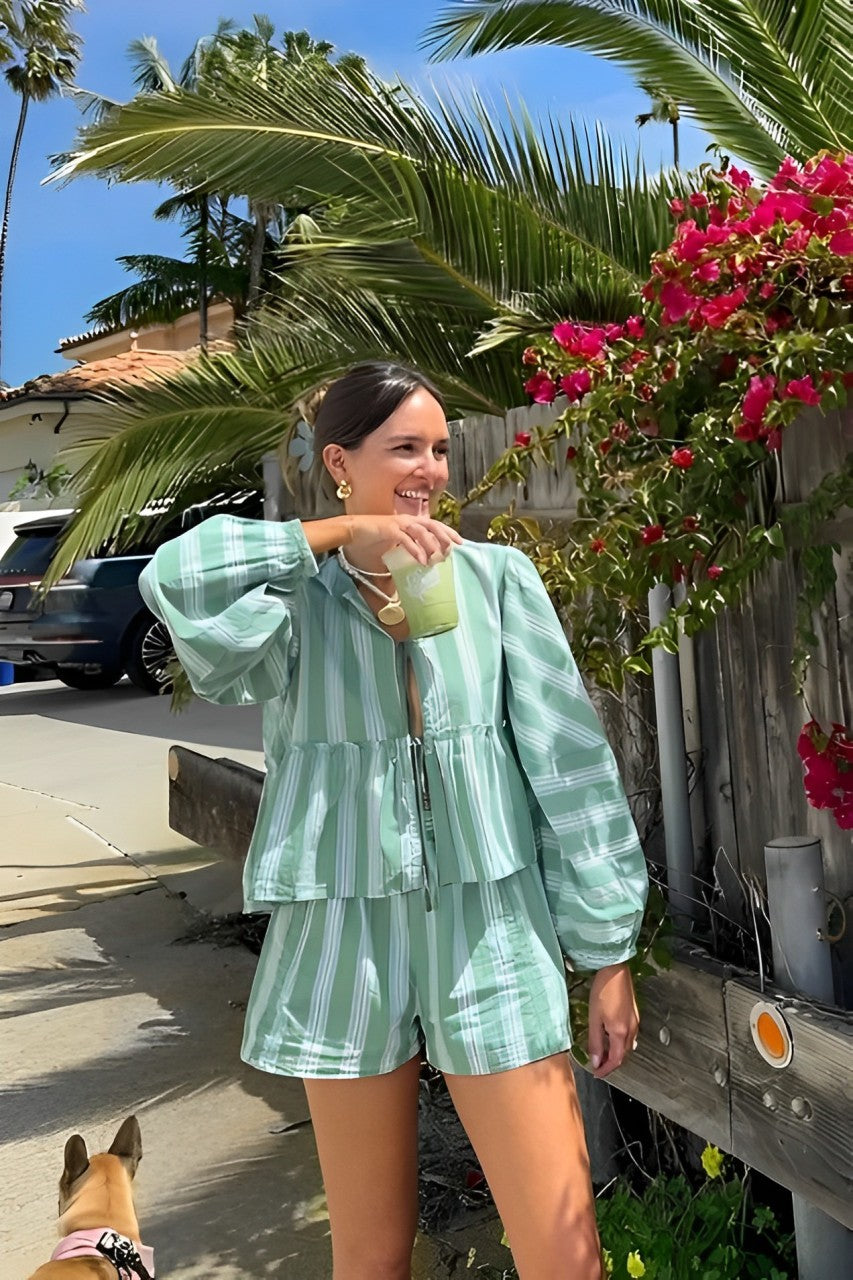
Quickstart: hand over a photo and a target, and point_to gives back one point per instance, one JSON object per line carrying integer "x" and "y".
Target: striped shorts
{"x": 474, "y": 979}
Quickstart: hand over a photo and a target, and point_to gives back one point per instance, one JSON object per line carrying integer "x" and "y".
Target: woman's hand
{"x": 424, "y": 538}
{"x": 613, "y": 1019}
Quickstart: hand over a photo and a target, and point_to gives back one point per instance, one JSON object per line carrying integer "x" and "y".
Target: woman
{"x": 440, "y": 817}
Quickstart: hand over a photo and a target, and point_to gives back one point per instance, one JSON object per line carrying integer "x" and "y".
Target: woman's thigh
{"x": 525, "y": 1126}
{"x": 366, "y": 1130}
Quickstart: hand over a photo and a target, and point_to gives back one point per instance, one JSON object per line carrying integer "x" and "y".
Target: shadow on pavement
{"x": 126, "y": 709}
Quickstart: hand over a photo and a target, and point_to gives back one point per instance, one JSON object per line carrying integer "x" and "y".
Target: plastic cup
{"x": 426, "y": 592}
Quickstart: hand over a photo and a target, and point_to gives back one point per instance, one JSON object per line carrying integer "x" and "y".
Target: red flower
{"x": 767, "y": 289}
{"x": 714, "y": 571}
{"x": 842, "y": 243}
{"x": 699, "y": 200}
{"x": 757, "y": 398}
{"x": 620, "y": 430}
{"x": 828, "y": 761}
{"x": 690, "y": 524}
{"x": 728, "y": 364}
{"x": 676, "y": 207}
{"x": 571, "y": 453}
{"x": 717, "y": 310}
{"x": 645, "y": 392}
{"x": 531, "y": 356}
{"x": 652, "y": 533}
{"x": 773, "y": 440}
{"x": 576, "y": 385}
{"x": 522, "y": 438}
{"x": 541, "y": 388}
{"x": 801, "y": 389}
{"x": 604, "y": 447}
{"x": 676, "y": 302}
{"x": 598, "y": 545}
{"x": 682, "y": 458}
{"x": 613, "y": 332}
{"x": 739, "y": 178}
{"x": 635, "y": 327}
{"x": 847, "y": 283}
{"x": 708, "y": 272}
{"x": 678, "y": 571}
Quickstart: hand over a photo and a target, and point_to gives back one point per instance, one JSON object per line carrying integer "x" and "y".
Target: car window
{"x": 30, "y": 554}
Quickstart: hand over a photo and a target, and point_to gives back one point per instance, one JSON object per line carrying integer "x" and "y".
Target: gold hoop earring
{"x": 344, "y": 490}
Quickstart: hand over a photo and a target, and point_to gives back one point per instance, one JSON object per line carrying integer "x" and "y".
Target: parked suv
{"x": 92, "y": 627}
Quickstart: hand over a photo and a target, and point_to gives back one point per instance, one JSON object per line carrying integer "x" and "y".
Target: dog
{"x": 97, "y": 1220}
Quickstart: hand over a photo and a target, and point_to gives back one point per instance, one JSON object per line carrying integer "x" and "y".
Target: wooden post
{"x": 802, "y": 964}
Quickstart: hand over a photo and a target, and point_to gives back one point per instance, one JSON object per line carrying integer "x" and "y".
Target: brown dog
{"x": 97, "y": 1220}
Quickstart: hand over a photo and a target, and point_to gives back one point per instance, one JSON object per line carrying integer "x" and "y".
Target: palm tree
{"x": 664, "y": 111}
{"x": 431, "y": 231}
{"x": 763, "y": 77}
{"x": 37, "y": 34}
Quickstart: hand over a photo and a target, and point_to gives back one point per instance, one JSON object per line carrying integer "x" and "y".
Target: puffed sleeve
{"x": 591, "y": 859}
{"x": 227, "y": 592}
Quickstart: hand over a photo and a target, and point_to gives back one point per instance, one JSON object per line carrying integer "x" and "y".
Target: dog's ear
{"x": 127, "y": 1144}
{"x": 76, "y": 1161}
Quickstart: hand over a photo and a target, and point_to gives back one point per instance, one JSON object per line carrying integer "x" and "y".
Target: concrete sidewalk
{"x": 105, "y": 1014}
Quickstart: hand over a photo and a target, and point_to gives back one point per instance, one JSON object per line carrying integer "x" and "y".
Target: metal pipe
{"x": 678, "y": 832}
{"x": 802, "y": 965}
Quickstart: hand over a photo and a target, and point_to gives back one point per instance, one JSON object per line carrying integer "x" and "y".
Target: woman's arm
{"x": 592, "y": 863}
{"x": 225, "y": 590}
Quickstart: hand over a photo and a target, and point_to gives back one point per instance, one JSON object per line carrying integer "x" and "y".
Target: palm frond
{"x": 761, "y": 76}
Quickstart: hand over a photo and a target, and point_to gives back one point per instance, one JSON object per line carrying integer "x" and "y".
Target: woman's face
{"x": 400, "y": 468}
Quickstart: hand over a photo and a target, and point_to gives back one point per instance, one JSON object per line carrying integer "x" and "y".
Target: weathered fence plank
{"x": 680, "y": 1066}
{"x": 795, "y": 1124}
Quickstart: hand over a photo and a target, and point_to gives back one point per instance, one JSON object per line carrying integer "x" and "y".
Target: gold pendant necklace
{"x": 392, "y": 611}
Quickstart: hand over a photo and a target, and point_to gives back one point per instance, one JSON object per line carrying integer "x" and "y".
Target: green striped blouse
{"x": 517, "y": 764}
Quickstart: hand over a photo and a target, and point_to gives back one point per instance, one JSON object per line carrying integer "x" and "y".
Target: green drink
{"x": 426, "y": 592}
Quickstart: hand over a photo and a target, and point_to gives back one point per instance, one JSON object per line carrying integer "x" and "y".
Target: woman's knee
{"x": 373, "y": 1260}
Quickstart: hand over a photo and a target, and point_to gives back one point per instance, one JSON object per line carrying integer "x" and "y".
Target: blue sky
{"x": 64, "y": 241}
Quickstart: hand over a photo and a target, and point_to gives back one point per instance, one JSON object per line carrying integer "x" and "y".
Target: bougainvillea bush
{"x": 674, "y": 419}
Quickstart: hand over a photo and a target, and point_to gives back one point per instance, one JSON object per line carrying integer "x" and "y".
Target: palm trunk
{"x": 7, "y": 207}
{"x": 675, "y": 142}
{"x": 204, "y": 217}
{"x": 256, "y": 260}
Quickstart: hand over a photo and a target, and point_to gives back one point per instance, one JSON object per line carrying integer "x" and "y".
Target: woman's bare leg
{"x": 525, "y": 1126}
{"x": 367, "y": 1140}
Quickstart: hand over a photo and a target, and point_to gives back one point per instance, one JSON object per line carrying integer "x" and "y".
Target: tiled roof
{"x": 133, "y": 367}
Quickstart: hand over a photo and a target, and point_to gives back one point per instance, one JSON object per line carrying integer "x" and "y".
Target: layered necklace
{"x": 392, "y": 611}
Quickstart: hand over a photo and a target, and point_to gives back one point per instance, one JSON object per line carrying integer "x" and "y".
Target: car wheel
{"x": 77, "y": 678}
{"x": 149, "y": 648}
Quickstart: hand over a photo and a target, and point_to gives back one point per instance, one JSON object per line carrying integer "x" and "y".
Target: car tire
{"x": 148, "y": 648}
{"x": 77, "y": 678}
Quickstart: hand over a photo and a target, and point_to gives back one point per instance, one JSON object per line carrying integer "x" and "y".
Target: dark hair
{"x": 362, "y": 399}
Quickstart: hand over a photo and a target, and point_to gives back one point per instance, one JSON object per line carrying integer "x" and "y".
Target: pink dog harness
{"x": 132, "y": 1261}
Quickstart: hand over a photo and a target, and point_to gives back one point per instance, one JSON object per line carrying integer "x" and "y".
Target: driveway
{"x": 106, "y": 1013}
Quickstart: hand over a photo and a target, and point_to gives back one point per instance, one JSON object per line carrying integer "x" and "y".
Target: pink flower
{"x": 682, "y": 458}
{"x": 715, "y": 571}
{"x": 541, "y": 388}
{"x": 676, "y": 302}
{"x": 565, "y": 334}
{"x": 676, "y": 207}
{"x": 652, "y": 533}
{"x": 689, "y": 248}
{"x": 767, "y": 289}
{"x": 760, "y": 393}
{"x": 829, "y": 178}
{"x": 739, "y": 178}
{"x": 576, "y": 385}
{"x": 522, "y": 438}
{"x": 787, "y": 172}
{"x": 707, "y": 273}
{"x": 699, "y": 200}
{"x": 716, "y": 311}
{"x": 613, "y": 332}
{"x": 798, "y": 240}
{"x": 635, "y": 327}
{"x": 842, "y": 243}
{"x": 801, "y": 389}
{"x": 773, "y": 440}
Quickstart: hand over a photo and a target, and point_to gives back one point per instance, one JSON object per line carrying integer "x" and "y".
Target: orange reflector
{"x": 771, "y": 1034}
